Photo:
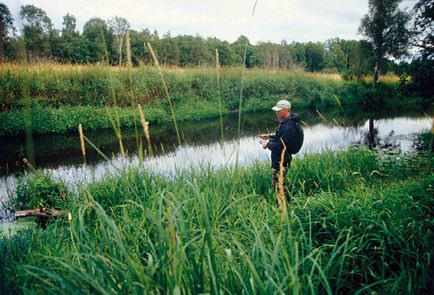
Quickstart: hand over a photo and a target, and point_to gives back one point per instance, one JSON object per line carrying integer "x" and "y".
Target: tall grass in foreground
{"x": 357, "y": 223}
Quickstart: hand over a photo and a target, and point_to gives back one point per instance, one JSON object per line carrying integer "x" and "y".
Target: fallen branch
{"x": 43, "y": 215}
{"x": 42, "y": 212}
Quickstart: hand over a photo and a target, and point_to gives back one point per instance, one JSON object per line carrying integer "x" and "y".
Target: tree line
{"x": 388, "y": 33}
{"x": 106, "y": 41}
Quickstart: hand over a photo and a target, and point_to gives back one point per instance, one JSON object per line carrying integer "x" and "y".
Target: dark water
{"x": 201, "y": 144}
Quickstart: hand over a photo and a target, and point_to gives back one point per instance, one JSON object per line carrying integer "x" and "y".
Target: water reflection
{"x": 60, "y": 154}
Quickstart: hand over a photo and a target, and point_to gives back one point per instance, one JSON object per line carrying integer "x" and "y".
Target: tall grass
{"x": 61, "y": 85}
{"x": 346, "y": 231}
{"x": 59, "y": 91}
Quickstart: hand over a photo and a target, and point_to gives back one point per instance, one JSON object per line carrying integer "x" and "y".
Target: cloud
{"x": 273, "y": 20}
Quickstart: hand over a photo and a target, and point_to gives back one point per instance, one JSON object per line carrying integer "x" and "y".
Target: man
{"x": 282, "y": 143}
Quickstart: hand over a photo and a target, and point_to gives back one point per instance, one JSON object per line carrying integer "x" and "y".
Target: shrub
{"x": 39, "y": 191}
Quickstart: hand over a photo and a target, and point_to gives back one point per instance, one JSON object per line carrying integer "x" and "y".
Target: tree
{"x": 168, "y": 50}
{"x": 422, "y": 68}
{"x": 36, "y": 30}
{"x": 286, "y": 55}
{"x": 268, "y": 54}
{"x": 139, "y": 52}
{"x": 386, "y": 27}
{"x": 199, "y": 51}
{"x": 69, "y": 25}
{"x": 6, "y": 28}
{"x": 119, "y": 26}
{"x": 185, "y": 46}
{"x": 423, "y": 28}
{"x": 334, "y": 55}
{"x": 299, "y": 53}
{"x": 226, "y": 52}
{"x": 99, "y": 40}
{"x": 65, "y": 45}
{"x": 314, "y": 56}
{"x": 359, "y": 59}
{"x": 242, "y": 45}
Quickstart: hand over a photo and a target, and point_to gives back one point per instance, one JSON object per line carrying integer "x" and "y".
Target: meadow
{"x": 54, "y": 98}
{"x": 357, "y": 222}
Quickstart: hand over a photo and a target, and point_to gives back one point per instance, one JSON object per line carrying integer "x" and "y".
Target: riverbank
{"x": 357, "y": 220}
{"x": 51, "y": 98}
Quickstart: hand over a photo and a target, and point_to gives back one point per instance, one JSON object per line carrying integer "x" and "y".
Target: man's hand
{"x": 264, "y": 136}
{"x": 263, "y": 143}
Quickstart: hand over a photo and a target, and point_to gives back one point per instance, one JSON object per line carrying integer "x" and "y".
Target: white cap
{"x": 282, "y": 104}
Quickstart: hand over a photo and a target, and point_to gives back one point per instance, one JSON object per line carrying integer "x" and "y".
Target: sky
{"x": 271, "y": 20}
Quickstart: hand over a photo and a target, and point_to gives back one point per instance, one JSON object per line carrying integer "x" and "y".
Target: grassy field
{"x": 358, "y": 222}
{"x": 53, "y": 98}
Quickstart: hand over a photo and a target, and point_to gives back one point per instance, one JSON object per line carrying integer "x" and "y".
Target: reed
{"x": 199, "y": 233}
{"x": 82, "y": 146}
{"x": 145, "y": 126}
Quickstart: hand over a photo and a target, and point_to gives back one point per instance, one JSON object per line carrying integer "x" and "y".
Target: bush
{"x": 39, "y": 191}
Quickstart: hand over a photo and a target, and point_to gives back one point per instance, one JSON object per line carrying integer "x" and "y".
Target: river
{"x": 60, "y": 155}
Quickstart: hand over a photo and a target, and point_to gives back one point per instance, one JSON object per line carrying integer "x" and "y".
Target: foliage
{"x": 423, "y": 37}
{"x": 6, "y": 27}
{"x": 68, "y": 92}
{"x": 351, "y": 228}
{"x": 421, "y": 68}
{"x": 386, "y": 27}
{"x": 39, "y": 191}
{"x": 36, "y": 30}
{"x": 48, "y": 120}
{"x": 119, "y": 26}
{"x": 98, "y": 39}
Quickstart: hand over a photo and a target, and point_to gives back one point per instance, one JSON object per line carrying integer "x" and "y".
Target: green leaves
{"x": 205, "y": 232}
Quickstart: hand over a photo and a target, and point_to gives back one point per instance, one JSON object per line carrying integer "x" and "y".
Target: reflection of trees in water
{"x": 52, "y": 151}
{"x": 372, "y": 139}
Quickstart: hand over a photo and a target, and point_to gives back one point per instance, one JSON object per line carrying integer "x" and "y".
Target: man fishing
{"x": 287, "y": 140}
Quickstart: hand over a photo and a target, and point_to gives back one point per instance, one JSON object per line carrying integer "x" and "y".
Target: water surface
{"x": 202, "y": 144}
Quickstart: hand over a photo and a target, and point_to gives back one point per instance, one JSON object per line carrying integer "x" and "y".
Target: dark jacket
{"x": 285, "y": 134}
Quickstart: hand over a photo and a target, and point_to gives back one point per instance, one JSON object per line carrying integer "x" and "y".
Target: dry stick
{"x": 121, "y": 146}
{"x": 40, "y": 212}
{"x": 281, "y": 198}
{"x": 321, "y": 116}
{"x": 340, "y": 106}
{"x": 100, "y": 152}
{"x": 217, "y": 65}
{"x": 157, "y": 64}
{"x": 339, "y": 103}
{"x": 128, "y": 46}
{"x": 28, "y": 165}
{"x": 145, "y": 126}
{"x": 83, "y": 147}
{"x": 254, "y": 7}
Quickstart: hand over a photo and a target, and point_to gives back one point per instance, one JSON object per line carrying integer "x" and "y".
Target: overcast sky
{"x": 273, "y": 20}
